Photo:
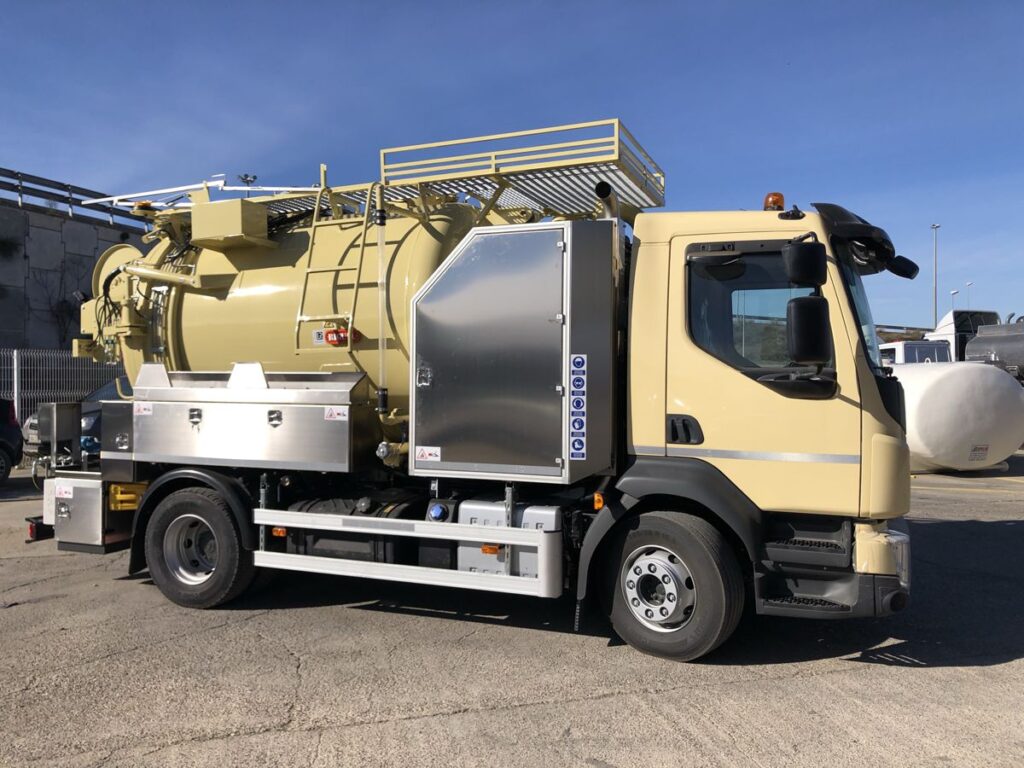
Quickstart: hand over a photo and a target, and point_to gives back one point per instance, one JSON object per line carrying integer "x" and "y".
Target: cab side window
{"x": 737, "y": 311}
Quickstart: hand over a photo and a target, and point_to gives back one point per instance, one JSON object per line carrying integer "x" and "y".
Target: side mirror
{"x": 805, "y": 262}
{"x": 901, "y": 266}
{"x": 808, "y": 333}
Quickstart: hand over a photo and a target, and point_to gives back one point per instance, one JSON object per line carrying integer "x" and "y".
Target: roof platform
{"x": 550, "y": 170}
{"x": 546, "y": 171}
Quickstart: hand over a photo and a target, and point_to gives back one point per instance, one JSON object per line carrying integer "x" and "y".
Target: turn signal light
{"x": 279, "y": 533}
{"x": 774, "y": 201}
{"x": 490, "y": 549}
{"x": 598, "y": 500}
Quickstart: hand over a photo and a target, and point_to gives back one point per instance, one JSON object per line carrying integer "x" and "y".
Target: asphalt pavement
{"x": 98, "y": 669}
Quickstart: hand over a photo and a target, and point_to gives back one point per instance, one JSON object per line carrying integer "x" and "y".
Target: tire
{"x": 6, "y": 464}
{"x": 194, "y": 552}
{"x": 687, "y": 569}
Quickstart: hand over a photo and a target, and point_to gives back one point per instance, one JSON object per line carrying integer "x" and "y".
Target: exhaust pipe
{"x": 609, "y": 201}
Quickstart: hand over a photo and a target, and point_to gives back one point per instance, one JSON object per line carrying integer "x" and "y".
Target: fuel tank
{"x": 303, "y": 298}
{"x": 1002, "y": 345}
{"x": 960, "y": 416}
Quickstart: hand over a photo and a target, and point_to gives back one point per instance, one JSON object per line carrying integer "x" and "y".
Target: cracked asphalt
{"x": 98, "y": 669}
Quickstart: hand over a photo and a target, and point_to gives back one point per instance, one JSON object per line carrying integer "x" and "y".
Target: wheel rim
{"x": 658, "y": 588}
{"x": 190, "y": 549}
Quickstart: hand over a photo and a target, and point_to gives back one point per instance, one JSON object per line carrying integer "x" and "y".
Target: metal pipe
{"x": 382, "y": 303}
{"x": 609, "y": 201}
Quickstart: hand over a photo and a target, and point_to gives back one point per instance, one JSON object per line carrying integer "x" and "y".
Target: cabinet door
{"x": 488, "y": 365}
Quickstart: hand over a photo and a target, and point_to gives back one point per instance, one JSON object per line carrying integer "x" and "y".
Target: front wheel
{"x": 675, "y": 586}
{"x": 194, "y": 552}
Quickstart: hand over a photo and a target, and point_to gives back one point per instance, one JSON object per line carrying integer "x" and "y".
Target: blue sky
{"x": 907, "y": 113}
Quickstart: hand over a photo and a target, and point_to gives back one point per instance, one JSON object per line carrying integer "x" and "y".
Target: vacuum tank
{"x": 960, "y": 416}
{"x": 235, "y": 281}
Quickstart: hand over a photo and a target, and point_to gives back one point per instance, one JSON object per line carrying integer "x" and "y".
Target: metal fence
{"x": 32, "y": 376}
{"x": 48, "y": 196}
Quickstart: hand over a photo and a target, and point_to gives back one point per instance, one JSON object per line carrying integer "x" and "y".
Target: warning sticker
{"x": 61, "y": 491}
{"x": 318, "y": 336}
{"x": 142, "y": 409}
{"x": 335, "y": 413}
{"x": 577, "y": 408}
{"x": 428, "y": 453}
{"x": 978, "y": 453}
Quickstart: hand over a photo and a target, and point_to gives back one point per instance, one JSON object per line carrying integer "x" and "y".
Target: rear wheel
{"x": 675, "y": 587}
{"x": 194, "y": 551}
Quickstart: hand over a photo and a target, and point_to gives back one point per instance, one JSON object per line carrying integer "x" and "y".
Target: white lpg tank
{"x": 960, "y": 415}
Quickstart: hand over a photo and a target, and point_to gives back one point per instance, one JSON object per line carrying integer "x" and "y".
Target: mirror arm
{"x": 805, "y": 236}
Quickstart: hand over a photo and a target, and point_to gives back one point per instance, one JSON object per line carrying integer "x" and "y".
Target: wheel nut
{"x": 636, "y": 603}
{"x": 637, "y": 570}
{"x": 670, "y": 597}
{"x": 630, "y": 584}
{"x": 652, "y": 567}
{"x": 665, "y": 579}
{"x": 649, "y": 613}
{"x": 664, "y": 611}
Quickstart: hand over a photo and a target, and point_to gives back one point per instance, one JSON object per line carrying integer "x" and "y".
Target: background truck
{"x": 914, "y": 351}
{"x": 491, "y": 369}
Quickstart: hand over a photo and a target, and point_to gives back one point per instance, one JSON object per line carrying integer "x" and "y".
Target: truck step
{"x": 793, "y": 602}
{"x": 808, "y": 540}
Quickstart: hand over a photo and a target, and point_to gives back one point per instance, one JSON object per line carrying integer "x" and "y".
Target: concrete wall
{"x": 44, "y": 258}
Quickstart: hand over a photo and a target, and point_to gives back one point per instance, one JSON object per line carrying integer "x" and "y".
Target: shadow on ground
{"x": 966, "y": 607}
{"x": 19, "y": 488}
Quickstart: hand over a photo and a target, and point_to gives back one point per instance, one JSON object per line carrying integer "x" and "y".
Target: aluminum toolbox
{"x": 512, "y": 349}
{"x": 76, "y": 503}
{"x": 249, "y": 418}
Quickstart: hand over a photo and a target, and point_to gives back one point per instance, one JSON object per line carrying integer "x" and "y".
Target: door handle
{"x": 681, "y": 429}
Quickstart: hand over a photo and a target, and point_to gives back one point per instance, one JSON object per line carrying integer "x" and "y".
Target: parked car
{"x": 91, "y": 413}
{"x": 11, "y": 443}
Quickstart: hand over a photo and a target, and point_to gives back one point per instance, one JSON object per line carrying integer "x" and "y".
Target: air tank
{"x": 960, "y": 416}
{"x": 273, "y": 299}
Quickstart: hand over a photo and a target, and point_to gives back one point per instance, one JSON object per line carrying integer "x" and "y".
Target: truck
{"x": 914, "y": 351}
{"x": 959, "y": 326}
{"x": 498, "y": 368}
{"x": 999, "y": 344}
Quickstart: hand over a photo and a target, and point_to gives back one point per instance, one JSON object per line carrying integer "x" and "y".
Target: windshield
{"x": 861, "y": 307}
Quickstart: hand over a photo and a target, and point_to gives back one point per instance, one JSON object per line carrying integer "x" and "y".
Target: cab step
{"x": 809, "y": 540}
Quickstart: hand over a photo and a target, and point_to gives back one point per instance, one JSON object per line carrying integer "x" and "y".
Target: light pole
{"x": 935, "y": 274}
{"x": 969, "y": 284}
{"x": 952, "y": 298}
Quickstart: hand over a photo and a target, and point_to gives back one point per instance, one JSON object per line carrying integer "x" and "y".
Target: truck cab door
{"x": 726, "y": 343}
